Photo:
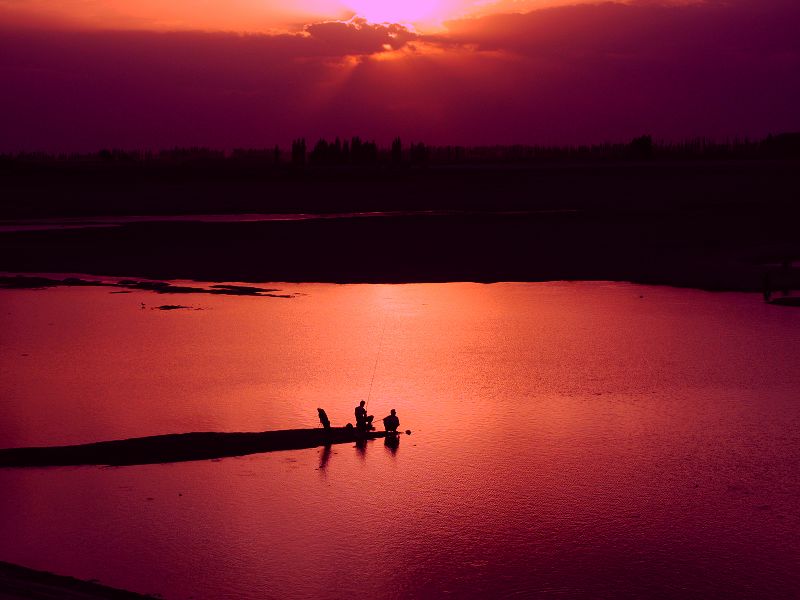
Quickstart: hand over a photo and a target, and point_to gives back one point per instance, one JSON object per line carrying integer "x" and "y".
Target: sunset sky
{"x": 86, "y": 74}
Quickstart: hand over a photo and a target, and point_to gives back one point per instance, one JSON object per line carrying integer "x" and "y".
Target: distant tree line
{"x": 356, "y": 152}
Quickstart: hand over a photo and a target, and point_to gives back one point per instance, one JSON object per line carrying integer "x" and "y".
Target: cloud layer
{"x": 572, "y": 74}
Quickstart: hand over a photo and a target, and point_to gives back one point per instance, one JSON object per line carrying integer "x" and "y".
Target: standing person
{"x": 391, "y": 423}
{"x": 323, "y": 418}
{"x": 363, "y": 420}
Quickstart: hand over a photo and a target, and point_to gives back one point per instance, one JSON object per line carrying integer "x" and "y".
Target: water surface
{"x": 570, "y": 440}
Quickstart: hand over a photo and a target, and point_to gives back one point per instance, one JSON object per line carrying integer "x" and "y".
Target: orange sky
{"x": 255, "y": 16}
{"x": 88, "y": 74}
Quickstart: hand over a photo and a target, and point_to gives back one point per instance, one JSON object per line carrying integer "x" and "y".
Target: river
{"x": 569, "y": 440}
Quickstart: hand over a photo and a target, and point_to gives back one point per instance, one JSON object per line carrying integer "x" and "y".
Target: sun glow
{"x": 397, "y": 11}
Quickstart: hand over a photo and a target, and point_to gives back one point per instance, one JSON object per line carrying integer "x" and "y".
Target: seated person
{"x": 323, "y": 418}
{"x": 391, "y": 423}
{"x": 363, "y": 420}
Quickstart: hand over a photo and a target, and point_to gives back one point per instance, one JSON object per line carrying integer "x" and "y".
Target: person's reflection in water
{"x": 361, "y": 448}
{"x": 392, "y": 443}
{"x": 324, "y": 458}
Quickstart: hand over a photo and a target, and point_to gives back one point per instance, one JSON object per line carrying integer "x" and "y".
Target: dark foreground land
{"x": 19, "y": 583}
{"x": 711, "y": 224}
{"x": 181, "y": 447}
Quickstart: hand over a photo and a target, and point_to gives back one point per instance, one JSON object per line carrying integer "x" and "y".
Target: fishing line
{"x": 377, "y": 356}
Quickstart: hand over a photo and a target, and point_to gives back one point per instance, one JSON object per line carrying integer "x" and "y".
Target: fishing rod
{"x": 377, "y": 356}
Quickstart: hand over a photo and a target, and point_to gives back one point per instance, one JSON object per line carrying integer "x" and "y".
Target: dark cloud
{"x": 562, "y": 75}
{"x": 605, "y": 71}
{"x": 358, "y": 37}
{"x": 637, "y": 29}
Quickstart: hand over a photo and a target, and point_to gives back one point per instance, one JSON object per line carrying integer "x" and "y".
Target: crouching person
{"x": 391, "y": 423}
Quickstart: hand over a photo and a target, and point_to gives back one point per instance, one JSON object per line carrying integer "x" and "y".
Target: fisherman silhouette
{"x": 391, "y": 423}
{"x": 363, "y": 420}
{"x": 323, "y": 418}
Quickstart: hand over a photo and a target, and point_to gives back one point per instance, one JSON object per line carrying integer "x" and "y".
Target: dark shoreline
{"x": 676, "y": 250}
{"x": 181, "y": 447}
{"x": 706, "y": 225}
{"x": 22, "y": 583}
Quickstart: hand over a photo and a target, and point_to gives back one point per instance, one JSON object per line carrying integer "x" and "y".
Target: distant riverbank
{"x": 712, "y": 250}
{"x": 714, "y": 226}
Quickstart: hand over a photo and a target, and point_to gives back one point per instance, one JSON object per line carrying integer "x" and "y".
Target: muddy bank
{"x": 181, "y": 447}
{"x": 18, "y": 583}
{"x": 34, "y": 282}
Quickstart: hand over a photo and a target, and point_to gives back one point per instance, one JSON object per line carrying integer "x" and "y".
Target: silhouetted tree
{"x": 336, "y": 151}
{"x": 782, "y": 145}
{"x": 299, "y": 152}
{"x": 319, "y": 153}
{"x": 418, "y": 154}
{"x": 327, "y": 153}
{"x": 355, "y": 150}
{"x": 346, "y": 152}
{"x": 363, "y": 153}
{"x": 641, "y": 147}
{"x": 397, "y": 151}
